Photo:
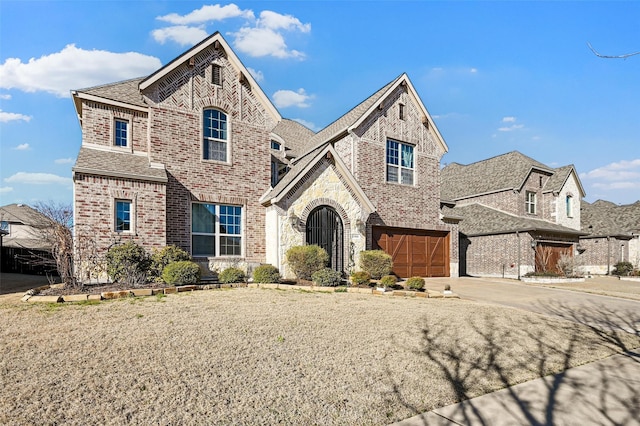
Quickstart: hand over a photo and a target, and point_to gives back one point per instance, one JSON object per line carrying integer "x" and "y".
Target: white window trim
{"x": 568, "y": 203}
{"x": 227, "y": 141}
{"x": 217, "y": 234}
{"x": 132, "y": 215}
{"x": 399, "y": 165}
{"x": 531, "y": 201}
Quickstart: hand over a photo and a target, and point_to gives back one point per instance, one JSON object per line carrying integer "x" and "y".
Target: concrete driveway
{"x": 14, "y": 283}
{"x": 604, "y": 312}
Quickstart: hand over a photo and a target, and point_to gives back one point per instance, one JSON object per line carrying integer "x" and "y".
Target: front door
{"x": 324, "y": 229}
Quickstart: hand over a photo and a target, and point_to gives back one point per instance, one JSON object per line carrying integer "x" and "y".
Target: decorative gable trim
{"x": 426, "y": 119}
{"x": 218, "y": 42}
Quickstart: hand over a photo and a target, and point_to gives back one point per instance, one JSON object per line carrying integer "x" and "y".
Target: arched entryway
{"x": 324, "y": 228}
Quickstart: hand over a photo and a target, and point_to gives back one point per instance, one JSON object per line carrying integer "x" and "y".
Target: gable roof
{"x": 23, "y": 214}
{"x": 214, "y": 39}
{"x": 118, "y": 165}
{"x": 603, "y": 218}
{"x": 299, "y": 171}
{"x": 353, "y": 118}
{"x": 500, "y": 173}
{"x": 480, "y": 220}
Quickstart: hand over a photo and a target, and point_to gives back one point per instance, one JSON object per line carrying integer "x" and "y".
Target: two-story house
{"x": 196, "y": 155}
{"x": 23, "y": 241}
{"x": 518, "y": 215}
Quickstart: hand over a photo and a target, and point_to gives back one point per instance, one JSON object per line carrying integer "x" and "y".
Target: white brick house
{"x": 196, "y": 155}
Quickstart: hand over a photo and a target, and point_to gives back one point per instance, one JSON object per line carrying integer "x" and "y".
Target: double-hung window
{"x": 400, "y": 162}
{"x": 530, "y": 202}
{"x": 121, "y": 133}
{"x": 215, "y": 143}
{"x": 216, "y": 230}
{"x": 123, "y": 215}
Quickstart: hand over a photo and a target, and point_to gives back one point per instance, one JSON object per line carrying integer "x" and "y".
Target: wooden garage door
{"x": 548, "y": 254}
{"x": 414, "y": 252}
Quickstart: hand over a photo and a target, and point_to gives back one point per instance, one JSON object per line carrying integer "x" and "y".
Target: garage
{"x": 414, "y": 252}
{"x": 548, "y": 254}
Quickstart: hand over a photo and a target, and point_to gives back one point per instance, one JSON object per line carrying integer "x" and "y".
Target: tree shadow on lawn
{"x": 486, "y": 354}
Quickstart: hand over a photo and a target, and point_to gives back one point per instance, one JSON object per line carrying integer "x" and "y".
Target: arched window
{"x": 215, "y": 142}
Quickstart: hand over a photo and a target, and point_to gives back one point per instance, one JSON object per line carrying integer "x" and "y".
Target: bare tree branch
{"x": 625, "y": 56}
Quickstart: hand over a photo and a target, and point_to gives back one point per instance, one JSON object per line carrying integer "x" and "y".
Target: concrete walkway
{"x": 605, "y": 392}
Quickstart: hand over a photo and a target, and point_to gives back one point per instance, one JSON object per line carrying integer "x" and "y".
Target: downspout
{"x": 518, "y": 237}
{"x": 608, "y": 255}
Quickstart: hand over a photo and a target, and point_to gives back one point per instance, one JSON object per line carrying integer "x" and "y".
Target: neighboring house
{"x": 22, "y": 239}
{"x": 613, "y": 236}
{"x": 196, "y": 155}
{"x": 518, "y": 215}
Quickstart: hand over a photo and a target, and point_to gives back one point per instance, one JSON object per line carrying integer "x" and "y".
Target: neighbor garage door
{"x": 414, "y": 252}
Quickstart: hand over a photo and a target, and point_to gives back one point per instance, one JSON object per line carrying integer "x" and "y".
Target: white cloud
{"x": 63, "y": 160}
{"x": 208, "y": 13}
{"x": 513, "y": 126}
{"x": 473, "y": 70}
{"x": 181, "y": 34}
{"x": 307, "y": 124}
{"x": 287, "y": 98}
{"x": 258, "y": 75}
{"x": 73, "y": 68}
{"x": 5, "y": 97}
{"x": 621, "y": 175}
{"x": 5, "y": 189}
{"x": 22, "y": 147}
{"x": 6, "y": 117}
{"x": 266, "y": 38}
{"x": 38, "y": 179}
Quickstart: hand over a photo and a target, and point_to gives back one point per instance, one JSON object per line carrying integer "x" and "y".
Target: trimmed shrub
{"x": 327, "y": 277}
{"x": 305, "y": 260}
{"x": 231, "y": 275}
{"x": 266, "y": 274}
{"x": 415, "y": 283}
{"x": 388, "y": 281}
{"x": 128, "y": 263}
{"x": 622, "y": 268}
{"x": 361, "y": 277}
{"x": 162, "y": 257}
{"x": 376, "y": 262}
{"x": 182, "y": 272}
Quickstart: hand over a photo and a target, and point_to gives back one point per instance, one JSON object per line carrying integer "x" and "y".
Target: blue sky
{"x": 495, "y": 76}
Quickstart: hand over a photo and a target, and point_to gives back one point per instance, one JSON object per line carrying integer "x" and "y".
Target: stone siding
{"x": 561, "y": 218}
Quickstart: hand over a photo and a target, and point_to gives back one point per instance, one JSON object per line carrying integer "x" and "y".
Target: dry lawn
{"x": 250, "y": 356}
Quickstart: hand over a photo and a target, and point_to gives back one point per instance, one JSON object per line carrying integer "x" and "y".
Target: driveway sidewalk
{"x": 600, "y": 393}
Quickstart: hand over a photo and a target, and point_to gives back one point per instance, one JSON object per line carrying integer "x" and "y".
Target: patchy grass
{"x": 256, "y": 356}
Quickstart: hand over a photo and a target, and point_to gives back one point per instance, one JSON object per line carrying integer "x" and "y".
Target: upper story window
{"x": 216, "y": 230}
{"x": 123, "y": 216}
{"x": 4, "y": 226}
{"x": 215, "y": 135}
{"x": 121, "y": 133}
{"x": 530, "y": 202}
{"x": 216, "y": 74}
{"x": 400, "y": 163}
{"x": 275, "y": 145}
{"x": 569, "y": 205}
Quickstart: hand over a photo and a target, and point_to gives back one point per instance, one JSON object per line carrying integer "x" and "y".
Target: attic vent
{"x": 401, "y": 111}
{"x": 192, "y": 62}
{"x": 216, "y": 74}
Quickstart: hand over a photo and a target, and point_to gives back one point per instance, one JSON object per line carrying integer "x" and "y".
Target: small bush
{"x": 305, "y": 260}
{"x": 128, "y": 263}
{"x": 388, "y": 281}
{"x": 376, "y": 262}
{"x": 231, "y": 275}
{"x": 162, "y": 257}
{"x": 415, "y": 283}
{"x": 266, "y": 274}
{"x": 622, "y": 268}
{"x": 361, "y": 277}
{"x": 327, "y": 277}
{"x": 183, "y": 272}
{"x": 542, "y": 274}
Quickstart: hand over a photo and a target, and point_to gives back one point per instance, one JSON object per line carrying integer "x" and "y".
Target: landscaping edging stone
{"x": 550, "y": 280}
{"x": 636, "y": 279}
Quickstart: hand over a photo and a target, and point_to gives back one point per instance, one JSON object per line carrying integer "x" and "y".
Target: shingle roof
{"x": 123, "y": 91}
{"x": 603, "y": 218}
{"x": 22, "y": 213}
{"x": 116, "y": 164}
{"x": 506, "y": 171}
{"x": 296, "y": 136}
{"x": 482, "y": 220}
